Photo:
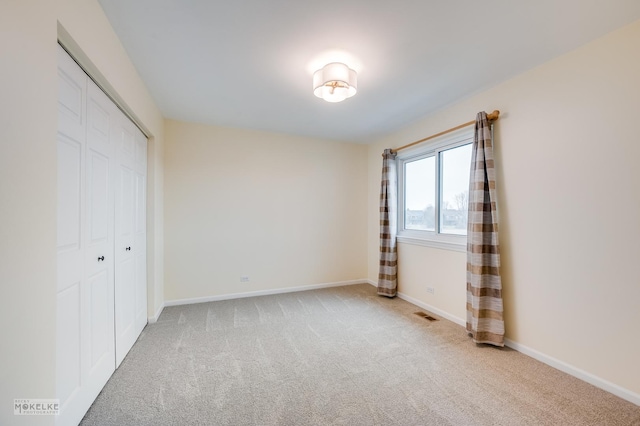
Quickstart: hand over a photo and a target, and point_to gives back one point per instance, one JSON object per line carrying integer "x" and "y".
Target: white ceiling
{"x": 249, "y": 63}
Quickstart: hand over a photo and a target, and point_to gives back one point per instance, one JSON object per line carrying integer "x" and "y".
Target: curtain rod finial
{"x": 494, "y": 115}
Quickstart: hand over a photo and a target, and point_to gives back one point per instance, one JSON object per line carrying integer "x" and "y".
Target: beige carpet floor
{"x": 338, "y": 356}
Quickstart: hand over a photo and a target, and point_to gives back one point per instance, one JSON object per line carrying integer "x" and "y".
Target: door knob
{"x": 128, "y": 249}
{"x": 100, "y": 258}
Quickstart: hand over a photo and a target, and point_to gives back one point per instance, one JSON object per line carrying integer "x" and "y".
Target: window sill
{"x": 443, "y": 242}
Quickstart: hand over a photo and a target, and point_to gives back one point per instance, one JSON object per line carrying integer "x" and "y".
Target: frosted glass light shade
{"x": 335, "y": 82}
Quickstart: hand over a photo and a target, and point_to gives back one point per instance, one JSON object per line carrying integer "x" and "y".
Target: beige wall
{"x": 28, "y": 55}
{"x": 284, "y": 210}
{"x": 28, "y": 92}
{"x": 567, "y": 148}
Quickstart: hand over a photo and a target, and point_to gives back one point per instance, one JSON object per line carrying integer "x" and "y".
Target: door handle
{"x": 128, "y": 249}
{"x": 100, "y": 258}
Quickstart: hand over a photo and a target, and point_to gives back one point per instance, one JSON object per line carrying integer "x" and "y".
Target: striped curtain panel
{"x": 485, "y": 322}
{"x": 388, "y": 274}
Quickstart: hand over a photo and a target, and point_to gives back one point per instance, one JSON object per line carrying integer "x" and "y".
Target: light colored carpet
{"x": 342, "y": 356}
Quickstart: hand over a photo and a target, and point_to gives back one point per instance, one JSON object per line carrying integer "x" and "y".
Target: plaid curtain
{"x": 485, "y": 322}
{"x": 388, "y": 273}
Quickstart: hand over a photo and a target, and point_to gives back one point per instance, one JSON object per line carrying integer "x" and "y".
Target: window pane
{"x": 455, "y": 164}
{"x": 420, "y": 194}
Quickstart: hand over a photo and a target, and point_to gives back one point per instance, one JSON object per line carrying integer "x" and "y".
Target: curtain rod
{"x": 491, "y": 117}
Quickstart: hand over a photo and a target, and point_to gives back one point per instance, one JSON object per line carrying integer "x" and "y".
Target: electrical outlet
{"x": 430, "y": 290}
{"x": 244, "y": 279}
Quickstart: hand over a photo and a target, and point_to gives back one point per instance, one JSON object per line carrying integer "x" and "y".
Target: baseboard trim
{"x": 596, "y": 381}
{"x": 433, "y": 309}
{"x": 154, "y": 319}
{"x": 190, "y": 301}
{"x": 427, "y": 307}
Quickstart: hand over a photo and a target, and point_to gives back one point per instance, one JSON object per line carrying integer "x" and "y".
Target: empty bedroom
{"x": 357, "y": 212}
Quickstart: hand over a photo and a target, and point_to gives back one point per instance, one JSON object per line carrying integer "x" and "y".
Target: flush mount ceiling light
{"x": 335, "y": 82}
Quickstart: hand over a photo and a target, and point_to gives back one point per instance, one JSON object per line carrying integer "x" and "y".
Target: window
{"x": 420, "y": 196}
{"x": 433, "y": 192}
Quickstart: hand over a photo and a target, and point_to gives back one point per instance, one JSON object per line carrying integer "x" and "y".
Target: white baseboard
{"x": 154, "y": 319}
{"x": 205, "y": 299}
{"x": 596, "y": 381}
{"x": 433, "y": 309}
{"x": 427, "y": 307}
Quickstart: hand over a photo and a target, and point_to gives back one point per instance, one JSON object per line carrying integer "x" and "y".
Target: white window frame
{"x": 433, "y": 239}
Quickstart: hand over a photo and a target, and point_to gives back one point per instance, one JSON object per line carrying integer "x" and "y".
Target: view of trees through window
{"x": 420, "y": 191}
{"x": 420, "y": 194}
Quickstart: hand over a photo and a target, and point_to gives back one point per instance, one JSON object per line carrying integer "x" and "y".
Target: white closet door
{"x": 70, "y": 231}
{"x": 125, "y": 248}
{"x": 99, "y": 261}
{"x": 101, "y": 246}
{"x": 84, "y": 350}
